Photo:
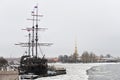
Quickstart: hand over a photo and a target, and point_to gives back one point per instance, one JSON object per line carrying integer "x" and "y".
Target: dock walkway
{"x": 9, "y": 75}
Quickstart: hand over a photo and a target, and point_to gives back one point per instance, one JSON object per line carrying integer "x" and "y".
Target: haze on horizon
{"x": 95, "y": 24}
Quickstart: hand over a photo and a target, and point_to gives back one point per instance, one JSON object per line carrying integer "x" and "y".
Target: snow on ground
{"x": 74, "y": 71}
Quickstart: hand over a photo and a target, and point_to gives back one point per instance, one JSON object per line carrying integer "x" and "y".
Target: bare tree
{"x": 108, "y": 56}
{"x": 3, "y": 62}
{"x": 85, "y": 57}
{"x": 93, "y": 57}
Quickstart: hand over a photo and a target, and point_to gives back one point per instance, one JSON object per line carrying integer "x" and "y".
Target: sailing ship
{"x": 31, "y": 63}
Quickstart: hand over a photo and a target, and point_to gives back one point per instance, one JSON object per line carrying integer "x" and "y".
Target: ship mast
{"x": 29, "y": 35}
{"x": 34, "y": 42}
{"x": 36, "y": 30}
{"x": 33, "y": 35}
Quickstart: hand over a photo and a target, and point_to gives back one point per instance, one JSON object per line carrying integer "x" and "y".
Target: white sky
{"x": 95, "y": 23}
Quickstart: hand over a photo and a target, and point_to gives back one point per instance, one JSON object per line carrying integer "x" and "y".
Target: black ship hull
{"x": 34, "y": 65}
{"x": 32, "y": 68}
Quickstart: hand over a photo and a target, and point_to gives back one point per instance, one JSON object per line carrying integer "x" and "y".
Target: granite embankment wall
{"x": 9, "y": 75}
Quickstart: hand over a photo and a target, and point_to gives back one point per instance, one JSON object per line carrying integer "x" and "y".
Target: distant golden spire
{"x": 75, "y": 55}
{"x": 75, "y": 46}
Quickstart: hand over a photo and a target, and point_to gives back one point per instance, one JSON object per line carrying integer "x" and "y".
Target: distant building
{"x": 53, "y": 60}
{"x": 111, "y": 59}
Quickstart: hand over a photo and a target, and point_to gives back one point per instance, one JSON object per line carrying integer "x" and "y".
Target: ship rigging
{"x": 31, "y": 63}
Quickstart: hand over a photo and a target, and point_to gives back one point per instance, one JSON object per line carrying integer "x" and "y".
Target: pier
{"x": 9, "y": 75}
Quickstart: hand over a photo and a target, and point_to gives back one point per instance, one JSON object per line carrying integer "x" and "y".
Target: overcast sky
{"x": 94, "y": 23}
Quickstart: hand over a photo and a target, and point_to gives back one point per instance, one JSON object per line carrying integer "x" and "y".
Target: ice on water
{"x": 74, "y": 72}
{"x": 105, "y": 72}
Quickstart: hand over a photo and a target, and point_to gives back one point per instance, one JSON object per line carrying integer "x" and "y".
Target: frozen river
{"x": 105, "y": 72}
{"x": 74, "y": 72}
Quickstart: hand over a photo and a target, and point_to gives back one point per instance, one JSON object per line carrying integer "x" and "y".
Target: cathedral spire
{"x": 75, "y": 55}
{"x": 76, "y": 47}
